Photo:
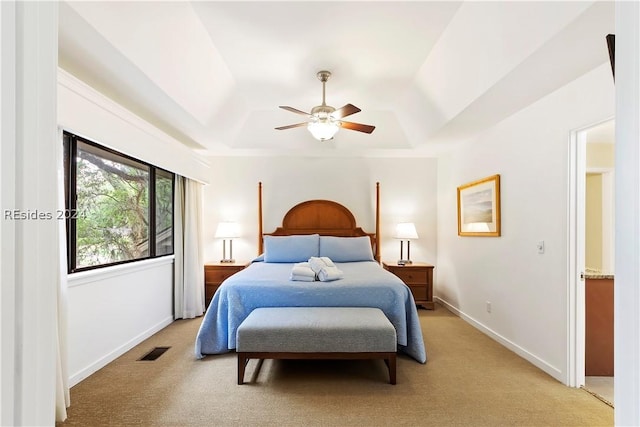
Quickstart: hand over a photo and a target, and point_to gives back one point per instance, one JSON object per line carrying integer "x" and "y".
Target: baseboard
{"x": 110, "y": 357}
{"x": 532, "y": 358}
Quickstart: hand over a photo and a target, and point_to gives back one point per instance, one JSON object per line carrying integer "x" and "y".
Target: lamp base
{"x": 227, "y": 261}
{"x": 404, "y": 261}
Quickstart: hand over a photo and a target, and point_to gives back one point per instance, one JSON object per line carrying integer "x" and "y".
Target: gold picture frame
{"x": 479, "y": 208}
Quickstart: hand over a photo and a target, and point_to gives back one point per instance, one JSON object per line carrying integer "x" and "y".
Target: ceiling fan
{"x": 324, "y": 120}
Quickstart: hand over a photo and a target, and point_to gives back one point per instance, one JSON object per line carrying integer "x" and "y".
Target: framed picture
{"x": 479, "y": 207}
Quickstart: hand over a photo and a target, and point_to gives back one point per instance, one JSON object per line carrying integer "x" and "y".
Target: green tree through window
{"x": 122, "y": 208}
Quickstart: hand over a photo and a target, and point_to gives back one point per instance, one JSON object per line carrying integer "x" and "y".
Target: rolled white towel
{"x": 327, "y": 274}
{"x": 327, "y": 261}
{"x": 302, "y": 272}
{"x": 302, "y": 269}
{"x": 318, "y": 263}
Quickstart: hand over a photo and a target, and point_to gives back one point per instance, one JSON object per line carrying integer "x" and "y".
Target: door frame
{"x": 576, "y": 255}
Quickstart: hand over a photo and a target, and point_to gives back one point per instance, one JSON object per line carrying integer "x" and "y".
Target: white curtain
{"x": 188, "y": 250}
{"x": 62, "y": 377}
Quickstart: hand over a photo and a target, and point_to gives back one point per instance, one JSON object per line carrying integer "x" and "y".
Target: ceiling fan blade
{"x": 345, "y": 111}
{"x": 294, "y": 110}
{"x": 297, "y": 125}
{"x": 357, "y": 126}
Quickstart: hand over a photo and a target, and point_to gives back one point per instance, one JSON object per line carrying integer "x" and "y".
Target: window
{"x": 119, "y": 209}
{"x": 164, "y": 212}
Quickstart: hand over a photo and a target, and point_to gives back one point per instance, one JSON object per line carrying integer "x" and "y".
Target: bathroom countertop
{"x": 598, "y": 276}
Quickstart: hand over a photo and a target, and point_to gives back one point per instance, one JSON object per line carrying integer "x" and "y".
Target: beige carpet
{"x": 469, "y": 380}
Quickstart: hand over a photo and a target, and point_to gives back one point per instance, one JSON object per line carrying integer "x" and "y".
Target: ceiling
{"x": 426, "y": 74}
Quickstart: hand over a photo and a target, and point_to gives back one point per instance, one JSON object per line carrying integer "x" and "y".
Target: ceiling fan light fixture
{"x": 325, "y": 120}
{"x": 323, "y": 129}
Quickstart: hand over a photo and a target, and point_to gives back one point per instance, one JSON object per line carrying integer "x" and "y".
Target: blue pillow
{"x": 298, "y": 248}
{"x": 346, "y": 249}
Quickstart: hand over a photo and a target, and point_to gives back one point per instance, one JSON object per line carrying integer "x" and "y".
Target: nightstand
{"x": 419, "y": 277}
{"x": 215, "y": 273}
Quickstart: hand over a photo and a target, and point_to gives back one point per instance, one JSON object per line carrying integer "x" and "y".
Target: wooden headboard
{"x": 323, "y": 217}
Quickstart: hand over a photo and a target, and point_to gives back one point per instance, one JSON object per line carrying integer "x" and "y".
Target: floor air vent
{"x": 155, "y": 353}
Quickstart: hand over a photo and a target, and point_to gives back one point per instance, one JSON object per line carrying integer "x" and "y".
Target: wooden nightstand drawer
{"x": 419, "y": 292}
{"x": 411, "y": 276}
{"x": 218, "y": 275}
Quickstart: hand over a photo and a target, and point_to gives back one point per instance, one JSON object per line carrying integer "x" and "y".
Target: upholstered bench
{"x": 316, "y": 333}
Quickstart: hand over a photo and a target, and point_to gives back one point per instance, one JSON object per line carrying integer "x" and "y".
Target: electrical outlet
{"x": 540, "y": 246}
{"x": 488, "y": 306}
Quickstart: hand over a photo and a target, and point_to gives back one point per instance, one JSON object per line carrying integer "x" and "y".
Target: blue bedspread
{"x": 261, "y": 284}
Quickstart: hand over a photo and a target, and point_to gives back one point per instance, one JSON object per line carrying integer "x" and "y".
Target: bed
{"x": 316, "y": 228}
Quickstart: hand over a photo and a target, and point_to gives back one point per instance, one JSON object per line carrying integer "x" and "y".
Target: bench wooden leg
{"x": 392, "y": 369}
{"x": 242, "y": 363}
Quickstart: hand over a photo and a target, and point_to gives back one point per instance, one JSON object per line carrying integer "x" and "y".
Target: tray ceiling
{"x": 426, "y": 74}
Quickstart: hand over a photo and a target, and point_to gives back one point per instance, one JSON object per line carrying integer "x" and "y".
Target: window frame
{"x": 70, "y": 142}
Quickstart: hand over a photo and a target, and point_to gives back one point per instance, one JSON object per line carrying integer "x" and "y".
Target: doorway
{"x": 591, "y": 258}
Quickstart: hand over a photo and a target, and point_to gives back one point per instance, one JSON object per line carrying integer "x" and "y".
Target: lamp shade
{"x": 227, "y": 230}
{"x": 406, "y": 230}
{"x": 323, "y": 129}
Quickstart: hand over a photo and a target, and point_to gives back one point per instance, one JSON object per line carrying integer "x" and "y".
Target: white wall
{"x": 600, "y": 205}
{"x": 113, "y": 309}
{"x": 86, "y": 112}
{"x": 407, "y": 193}
{"x": 527, "y": 290}
{"x": 593, "y": 255}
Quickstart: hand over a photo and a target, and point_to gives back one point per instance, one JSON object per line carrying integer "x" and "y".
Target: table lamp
{"x": 405, "y": 231}
{"x": 227, "y": 230}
